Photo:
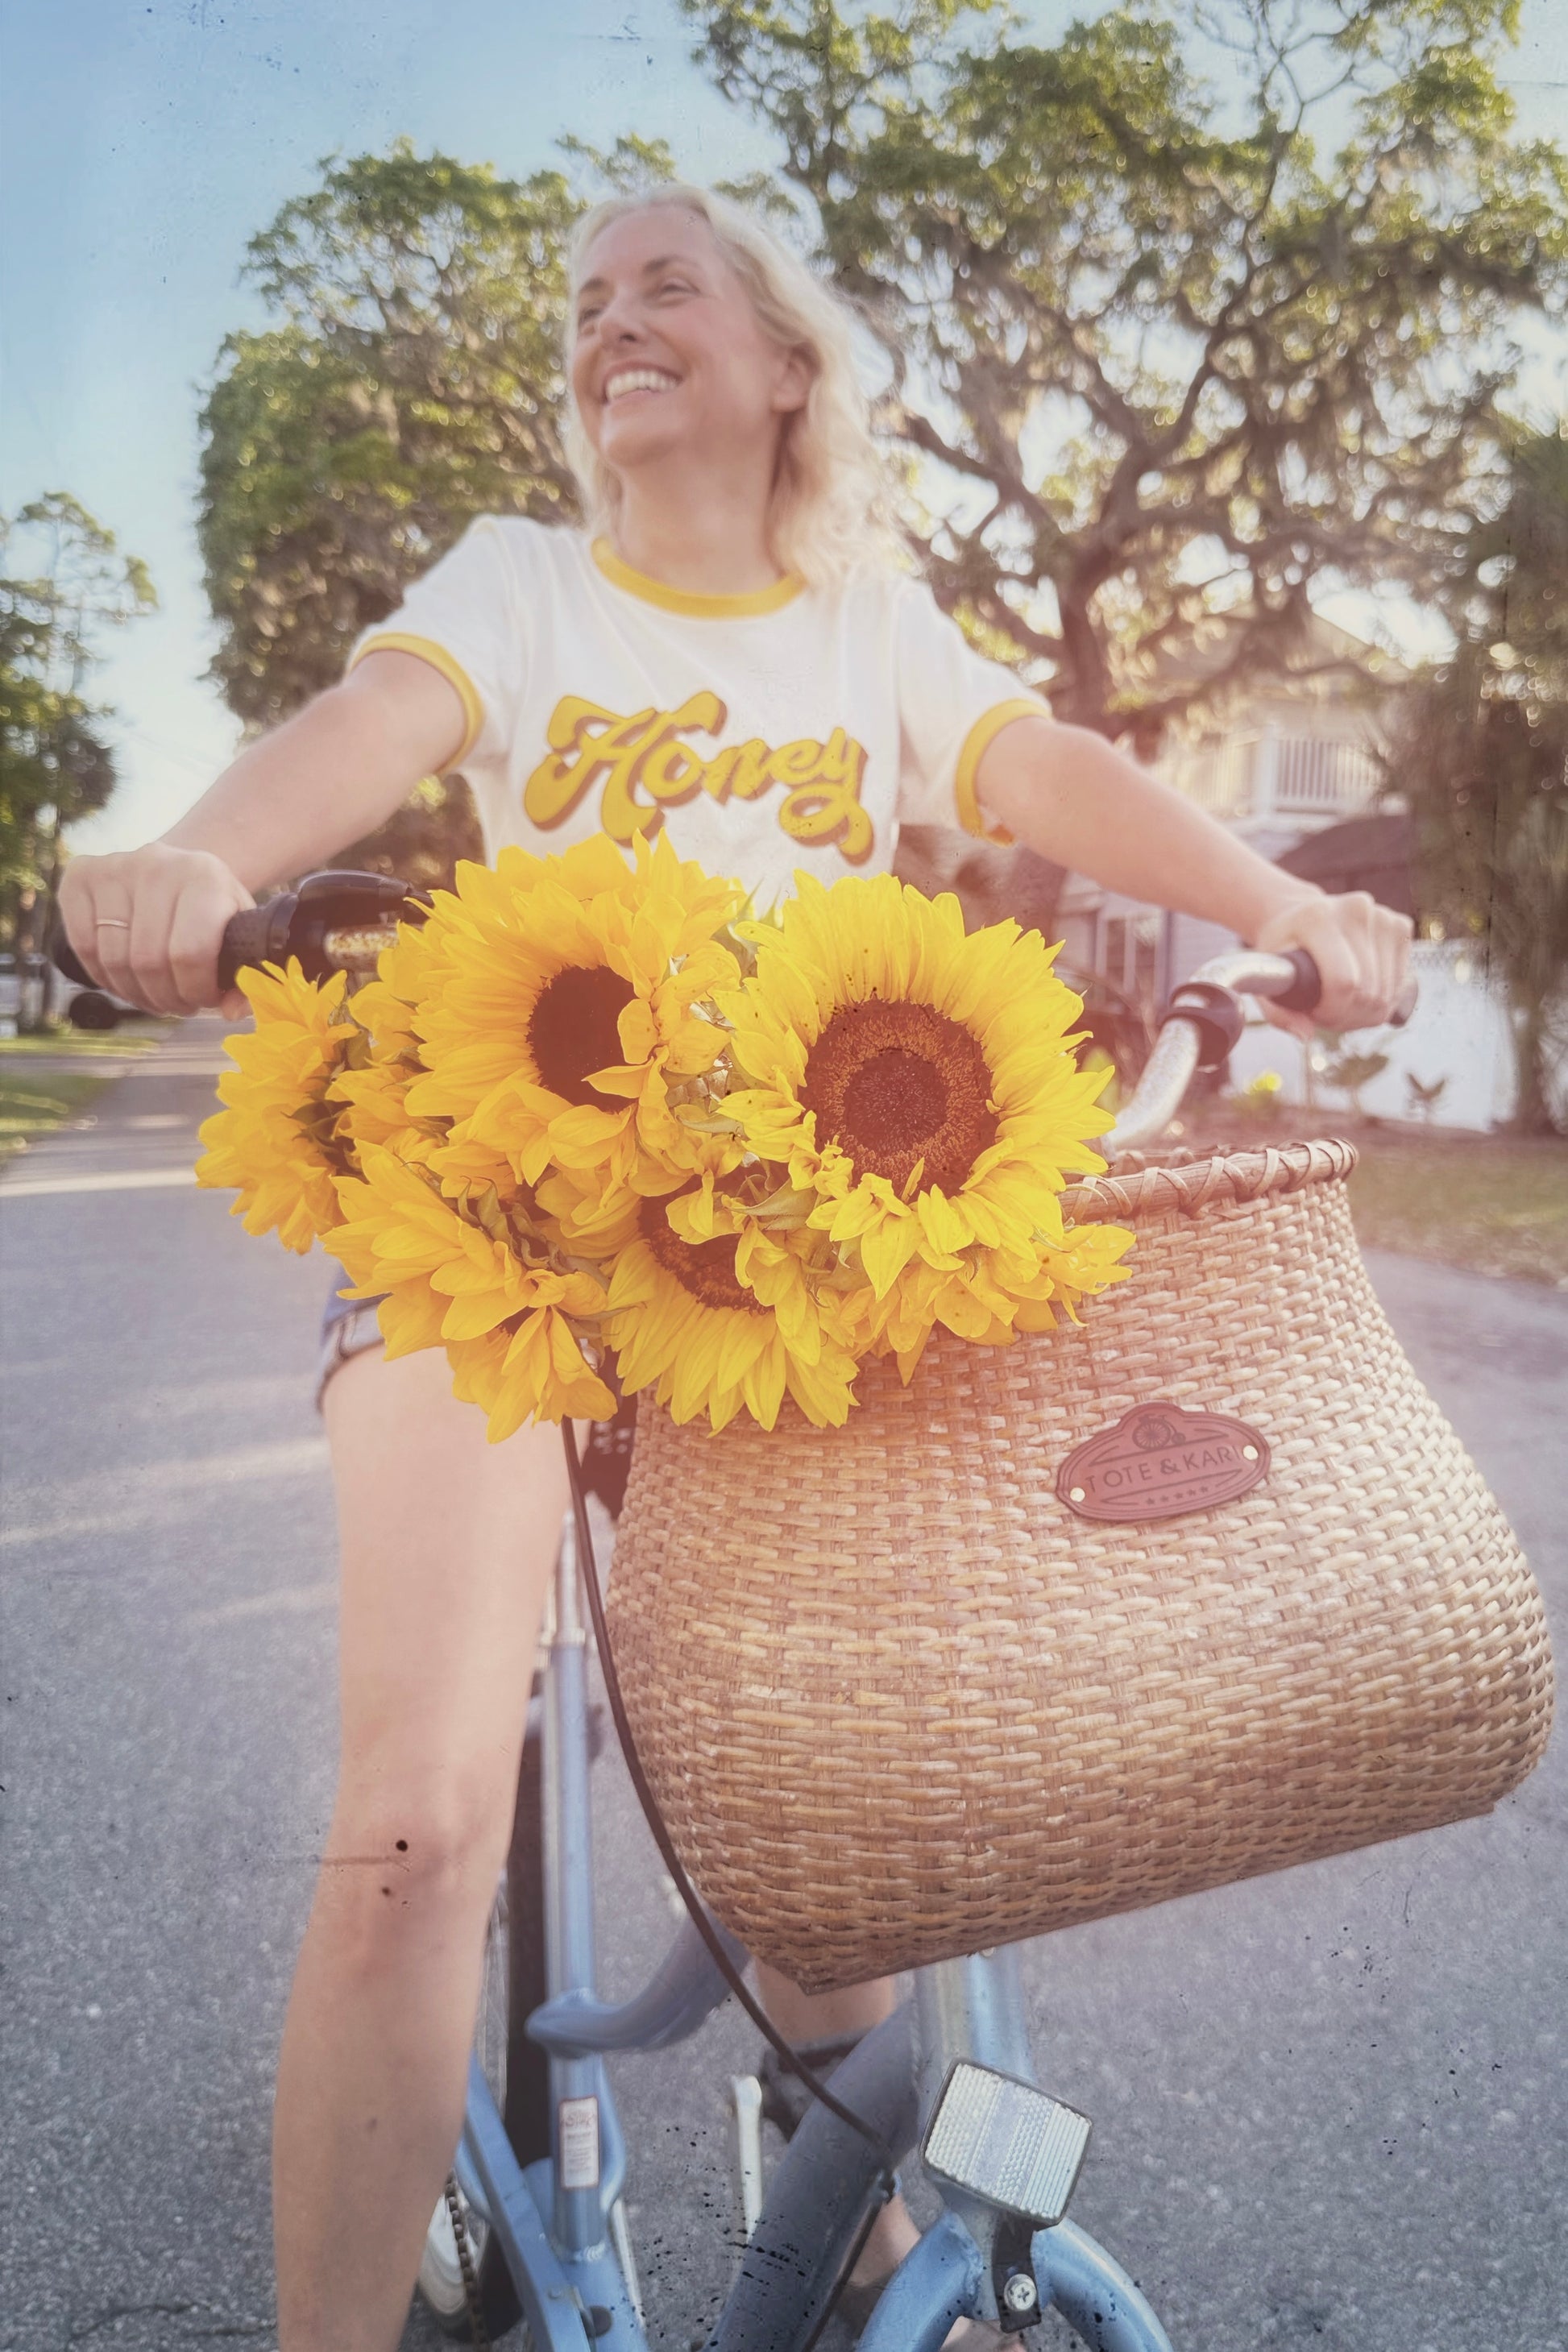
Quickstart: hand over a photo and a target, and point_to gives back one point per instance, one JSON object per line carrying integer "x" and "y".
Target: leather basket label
{"x": 1161, "y": 1459}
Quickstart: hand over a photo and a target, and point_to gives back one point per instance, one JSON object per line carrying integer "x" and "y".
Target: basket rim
{"x": 1139, "y": 1185}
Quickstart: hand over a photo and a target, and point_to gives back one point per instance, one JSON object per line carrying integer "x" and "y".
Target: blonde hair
{"x": 829, "y": 511}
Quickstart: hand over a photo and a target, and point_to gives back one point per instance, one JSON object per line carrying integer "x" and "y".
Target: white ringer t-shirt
{"x": 789, "y": 727}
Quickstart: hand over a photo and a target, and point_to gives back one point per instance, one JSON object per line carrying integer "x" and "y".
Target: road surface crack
{"x": 217, "y": 2329}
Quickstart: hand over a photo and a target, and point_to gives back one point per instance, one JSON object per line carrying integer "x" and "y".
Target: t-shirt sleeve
{"x": 464, "y": 617}
{"x": 951, "y": 703}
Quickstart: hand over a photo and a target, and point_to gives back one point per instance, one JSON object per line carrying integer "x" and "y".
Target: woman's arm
{"x": 147, "y": 923}
{"x": 1074, "y": 797}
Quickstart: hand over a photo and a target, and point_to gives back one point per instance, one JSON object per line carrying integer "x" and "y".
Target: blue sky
{"x": 145, "y": 141}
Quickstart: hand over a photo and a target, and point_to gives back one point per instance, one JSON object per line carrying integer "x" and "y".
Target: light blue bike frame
{"x": 556, "y": 2220}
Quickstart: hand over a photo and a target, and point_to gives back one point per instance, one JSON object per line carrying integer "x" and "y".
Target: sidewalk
{"x": 138, "y": 1136}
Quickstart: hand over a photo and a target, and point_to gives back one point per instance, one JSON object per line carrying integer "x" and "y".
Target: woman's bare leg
{"x": 824, "y": 2016}
{"x": 830, "y": 2017}
{"x": 448, "y": 1545}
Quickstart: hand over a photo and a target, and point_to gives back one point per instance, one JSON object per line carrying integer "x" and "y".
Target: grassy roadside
{"x": 38, "y": 1094}
{"x": 33, "y": 1103}
{"x": 84, "y": 1045}
{"x": 1491, "y": 1203}
{"x": 1496, "y": 1204}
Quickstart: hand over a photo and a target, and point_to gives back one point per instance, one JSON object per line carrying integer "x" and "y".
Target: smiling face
{"x": 668, "y": 358}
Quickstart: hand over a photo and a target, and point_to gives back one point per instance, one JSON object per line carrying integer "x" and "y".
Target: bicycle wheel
{"x": 516, "y": 2069}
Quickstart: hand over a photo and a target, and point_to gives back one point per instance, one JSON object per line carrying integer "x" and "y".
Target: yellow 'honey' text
{"x": 645, "y": 768}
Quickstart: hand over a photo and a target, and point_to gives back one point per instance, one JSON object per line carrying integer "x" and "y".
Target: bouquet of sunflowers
{"x": 585, "y": 1111}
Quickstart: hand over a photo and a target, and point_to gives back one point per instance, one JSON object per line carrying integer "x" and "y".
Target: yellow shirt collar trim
{"x": 692, "y": 601}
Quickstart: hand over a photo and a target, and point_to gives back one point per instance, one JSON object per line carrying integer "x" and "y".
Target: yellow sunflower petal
{"x": 281, "y": 1139}
{"x": 922, "y": 1087}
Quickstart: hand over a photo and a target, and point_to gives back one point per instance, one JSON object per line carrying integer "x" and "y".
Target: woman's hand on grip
{"x": 1362, "y": 951}
{"x": 149, "y": 923}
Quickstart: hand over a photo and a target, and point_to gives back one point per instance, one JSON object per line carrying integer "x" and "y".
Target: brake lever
{"x": 340, "y": 921}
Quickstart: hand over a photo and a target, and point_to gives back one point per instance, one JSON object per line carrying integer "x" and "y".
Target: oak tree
{"x": 410, "y": 380}
{"x": 1168, "y": 352}
{"x": 63, "y": 582}
{"x": 1480, "y": 756}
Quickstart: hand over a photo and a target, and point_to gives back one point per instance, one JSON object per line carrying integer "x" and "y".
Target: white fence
{"x": 1459, "y": 1034}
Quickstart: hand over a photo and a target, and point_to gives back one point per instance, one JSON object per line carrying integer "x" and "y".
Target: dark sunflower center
{"x": 573, "y": 1030}
{"x": 895, "y": 1084}
{"x": 898, "y": 1097}
{"x": 705, "y": 1268}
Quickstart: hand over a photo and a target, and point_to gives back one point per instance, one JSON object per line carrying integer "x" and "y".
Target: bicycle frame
{"x": 560, "y": 2222}
{"x": 556, "y": 2220}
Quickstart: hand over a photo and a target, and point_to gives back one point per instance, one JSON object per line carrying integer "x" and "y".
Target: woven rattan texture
{"x": 898, "y": 1702}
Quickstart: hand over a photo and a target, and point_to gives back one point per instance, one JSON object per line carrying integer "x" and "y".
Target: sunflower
{"x": 995, "y": 1295}
{"x": 560, "y": 1027}
{"x": 382, "y": 1061}
{"x": 713, "y": 1312}
{"x": 474, "y": 1279}
{"x": 920, "y": 1088}
{"x": 282, "y": 1139}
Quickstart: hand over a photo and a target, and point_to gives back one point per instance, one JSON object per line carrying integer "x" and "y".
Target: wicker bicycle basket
{"x": 898, "y": 1700}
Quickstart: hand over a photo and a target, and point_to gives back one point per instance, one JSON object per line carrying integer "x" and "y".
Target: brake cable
{"x": 672, "y": 1862}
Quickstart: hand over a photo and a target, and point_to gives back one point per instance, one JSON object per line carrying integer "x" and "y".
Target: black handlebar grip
{"x": 255, "y": 935}
{"x": 1306, "y": 992}
{"x": 66, "y": 959}
{"x": 1306, "y": 989}
{"x": 294, "y": 923}
{"x": 1214, "y": 1013}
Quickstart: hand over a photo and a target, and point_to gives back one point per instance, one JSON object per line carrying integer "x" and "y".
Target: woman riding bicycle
{"x": 730, "y": 650}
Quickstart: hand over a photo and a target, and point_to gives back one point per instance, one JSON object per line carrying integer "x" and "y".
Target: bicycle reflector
{"x": 1006, "y": 2142}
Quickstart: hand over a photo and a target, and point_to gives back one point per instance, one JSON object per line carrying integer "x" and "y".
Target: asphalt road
{"x": 1330, "y": 2106}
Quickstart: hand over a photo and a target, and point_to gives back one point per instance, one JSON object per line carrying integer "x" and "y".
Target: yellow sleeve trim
{"x": 426, "y": 649}
{"x": 976, "y": 743}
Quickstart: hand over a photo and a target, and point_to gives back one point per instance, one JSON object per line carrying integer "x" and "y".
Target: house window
{"x": 1129, "y": 957}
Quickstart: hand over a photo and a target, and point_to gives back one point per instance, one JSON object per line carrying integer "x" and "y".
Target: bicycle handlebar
{"x": 1202, "y": 1023}
{"x": 336, "y": 920}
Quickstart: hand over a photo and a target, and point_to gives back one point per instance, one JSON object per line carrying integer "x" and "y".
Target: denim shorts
{"x": 348, "y": 1328}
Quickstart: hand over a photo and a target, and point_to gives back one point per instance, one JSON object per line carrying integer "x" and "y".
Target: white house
{"x": 1284, "y": 759}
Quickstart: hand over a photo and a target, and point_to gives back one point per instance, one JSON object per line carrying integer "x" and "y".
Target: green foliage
{"x": 31, "y": 1105}
{"x": 1481, "y": 756}
{"x": 412, "y": 381}
{"x": 628, "y": 168}
{"x": 1352, "y": 1072}
{"x": 422, "y": 843}
{"x": 1161, "y": 357}
{"x": 1425, "y": 1094}
{"x": 63, "y": 580}
{"x": 1259, "y": 1098}
{"x": 1510, "y": 575}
